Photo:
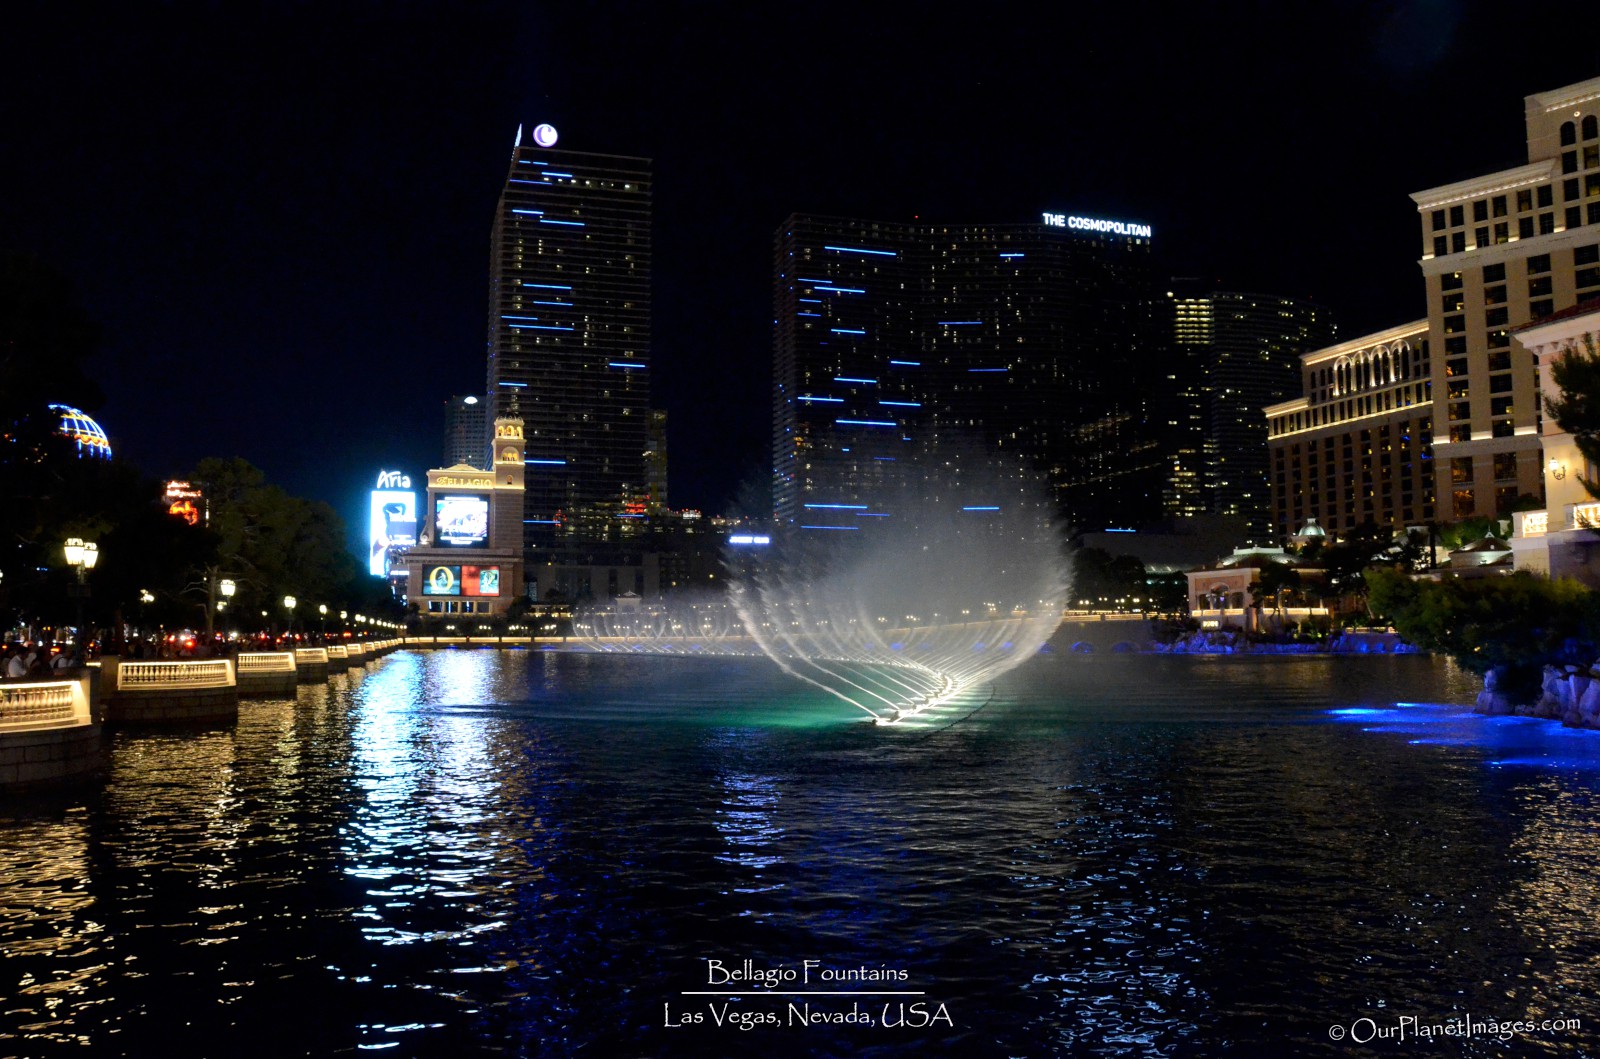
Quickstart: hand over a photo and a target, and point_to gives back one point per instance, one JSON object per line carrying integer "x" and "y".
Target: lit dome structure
{"x": 77, "y": 425}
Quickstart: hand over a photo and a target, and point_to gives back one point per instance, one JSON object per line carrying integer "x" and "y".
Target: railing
{"x": 145, "y": 676}
{"x": 1530, "y": 523}
{"x": 310, "y": 656}
{"x": 338, "y": 651}
{"x": 39, "y": 705}
{"x": 1583, "y": 516}
{"x": 266, "y": 662}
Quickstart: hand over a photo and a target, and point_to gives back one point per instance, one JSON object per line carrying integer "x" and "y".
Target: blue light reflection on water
{"x": 472, "y": 853}
{"x": 1529, "y": 742}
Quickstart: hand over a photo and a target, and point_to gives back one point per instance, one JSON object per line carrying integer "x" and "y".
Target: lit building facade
{"x": 1035, "y": 338}
{"x": 1359, "y": 445}
{"x": 1234, "y": 354}
{"x": 466, "y": 432}
{"x": 569, "y": 342}
{"x": 468, "y": 562}
{"x": 1499, "y": 251}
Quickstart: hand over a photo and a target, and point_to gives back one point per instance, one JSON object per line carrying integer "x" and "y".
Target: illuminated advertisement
{"x": 461, "y": 521}
{"x": 185, "y": 501}
{"x": 392, "y": 524}
{"x": 461, "y": 581}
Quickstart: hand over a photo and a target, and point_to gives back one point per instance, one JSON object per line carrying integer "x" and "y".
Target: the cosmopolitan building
{"x": 1034, "y": 338}
{"x": 1359, "y": 445}
{"x": 1235, "y": 353}
{"x": 1499, "y": 251}
{"x": 569, "y": 341}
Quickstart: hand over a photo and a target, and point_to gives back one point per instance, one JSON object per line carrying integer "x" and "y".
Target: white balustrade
{"x": 338, "y": 650}
{"x": 155, "y": 676}
{"x": 41, "y": 705}
{"x": 307, "y": 656}
{"x": 266, "y": 662}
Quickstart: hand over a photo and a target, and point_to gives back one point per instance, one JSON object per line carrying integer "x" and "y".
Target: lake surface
{"x": 522, "y": 853}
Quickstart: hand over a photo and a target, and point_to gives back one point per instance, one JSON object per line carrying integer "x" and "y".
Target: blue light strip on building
{"x": 540, "y": 522}
{"x": 806, "y": 279}
{"x": 866, "y": 422}
{"x": 1013, "y": 255}
{"x": 547, "y": 286}
{"x": 861, "y": 250}
{"x": 960, "y": 323}
{"x": 553, "y": 463}
{"x": 552, "y": 172}
{"x": 842, "y": 290}
{"x": 518, "y": 385}
{"x": 841, "y": 507}
{"x": 622, "y": 364}
{"x": 831, "y": 527}
{"x": 975, "y": 370}
{"x": 830, "y": 400}
{"x": 533, "y": 213}
{"x": 569, "y": 224}
{"x": 810, "y": 301}
{"x": 885, "y": 459}
{"x": 874, "y": 514}
{"x": 907, "y": 363}
{"x": 567, "y": 304}
{"x": 980, "y": 507}
{"x": 535, "y": 319}
{"x": 903, "y": 404}
{"x": 846, "y": 331}
{"x": 529, "y": 161}
{"x": 817, "y": 315}
{"x": 847, "y": 378}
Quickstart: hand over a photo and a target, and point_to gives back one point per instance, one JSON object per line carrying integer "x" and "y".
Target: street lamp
{"x": 322, "y": 611}
{"x": 81, "y": 556}
{"x": 288, "y": 605}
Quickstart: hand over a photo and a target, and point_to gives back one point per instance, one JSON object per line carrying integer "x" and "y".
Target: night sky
{"x": 280, "y": 214}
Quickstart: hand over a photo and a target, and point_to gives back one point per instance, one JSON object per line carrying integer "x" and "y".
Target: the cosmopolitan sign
{"x": 1095, "y": 224}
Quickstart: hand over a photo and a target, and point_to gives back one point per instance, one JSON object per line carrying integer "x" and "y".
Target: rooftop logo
{"x": 393, "y": 480}
{"x": 1094, "y": 224}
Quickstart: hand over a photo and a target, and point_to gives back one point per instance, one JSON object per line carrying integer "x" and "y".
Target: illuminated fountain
{"x": 894, "y": 610}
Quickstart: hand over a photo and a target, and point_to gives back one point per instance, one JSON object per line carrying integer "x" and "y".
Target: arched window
{"x": 1569, "y": 134}
{"x": 1591, "y": 127}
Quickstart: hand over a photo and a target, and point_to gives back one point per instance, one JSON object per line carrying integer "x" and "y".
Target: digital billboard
{"x": 461, "y": 581}
{"x": 392, "y": 523}
{"x": 461, "y": 521}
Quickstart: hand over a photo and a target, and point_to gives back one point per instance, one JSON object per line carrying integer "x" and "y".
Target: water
{"x": 473, "y": 853}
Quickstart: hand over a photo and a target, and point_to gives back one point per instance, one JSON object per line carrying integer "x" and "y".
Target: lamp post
{"x": 288, "y": 605}
{"x": 322, "y": 624}
{"x": 81, "y": 556}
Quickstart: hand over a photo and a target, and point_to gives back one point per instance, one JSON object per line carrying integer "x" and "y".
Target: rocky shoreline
{"x": 1569, "y": 694}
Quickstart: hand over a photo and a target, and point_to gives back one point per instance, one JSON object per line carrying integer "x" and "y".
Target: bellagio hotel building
{"x": 1498, "y": 251}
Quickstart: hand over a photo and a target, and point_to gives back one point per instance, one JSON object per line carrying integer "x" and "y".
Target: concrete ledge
{"x": 173, "y": 706}
{"x": 49, "y": 756}
{"x": 268, "y": 685}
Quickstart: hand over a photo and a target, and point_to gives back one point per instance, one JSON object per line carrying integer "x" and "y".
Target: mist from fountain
{"x": 960, "y": 578}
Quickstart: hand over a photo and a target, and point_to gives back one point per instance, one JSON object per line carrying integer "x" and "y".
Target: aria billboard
{"x": 392, "y": 522}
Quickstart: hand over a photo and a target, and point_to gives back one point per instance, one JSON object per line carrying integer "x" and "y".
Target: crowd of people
{"x": 39, "y": 659}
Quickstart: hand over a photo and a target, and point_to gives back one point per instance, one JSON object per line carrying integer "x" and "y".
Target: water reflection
{"x": 526, "y": 854}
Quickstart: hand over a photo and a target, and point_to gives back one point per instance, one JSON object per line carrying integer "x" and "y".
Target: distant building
{"x": 1035, "y": 338}
{"x": 655, "y": 456}
{"x": 467, "y": 565}
{"x": 1563, "y": 540}
{"x": 466, "y": 432}
{"x": 1234, "y": 354}
{"x": 569, "y": 343}
{"x": 1499, "y": 251}
{"x": 1359, "y": 445}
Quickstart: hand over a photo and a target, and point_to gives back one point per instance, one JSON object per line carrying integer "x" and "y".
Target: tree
{"x": 1577, "y": 411}
{"x": 1516, "y": 625}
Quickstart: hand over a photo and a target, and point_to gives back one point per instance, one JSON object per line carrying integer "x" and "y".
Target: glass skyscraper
{"x": 1032, "y": 338}
{"x": 569, "y": 341}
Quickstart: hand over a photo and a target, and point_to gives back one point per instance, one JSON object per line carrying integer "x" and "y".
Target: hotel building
{"x": 569, "y": 342}
{"x": 1359, "y": 445}
{"x": 1500, "y": 251}
{"x": 1235, "y": 353}
{"x": 1034, "y": 338}
{"x": 466, "y": 432}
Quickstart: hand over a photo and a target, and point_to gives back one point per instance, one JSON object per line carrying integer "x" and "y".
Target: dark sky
{"x": 280, "y": 213}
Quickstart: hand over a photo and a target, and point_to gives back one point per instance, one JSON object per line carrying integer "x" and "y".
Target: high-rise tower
{"x": 569, "y": 340}
{"x": 1034, "y": 338}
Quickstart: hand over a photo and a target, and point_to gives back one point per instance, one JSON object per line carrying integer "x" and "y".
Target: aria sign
{"x": 1093, "y": 224}
{"x": 393, "y": 480}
